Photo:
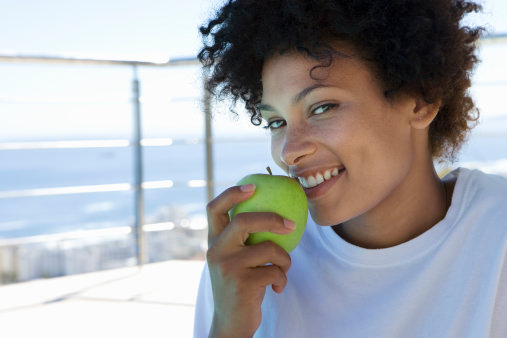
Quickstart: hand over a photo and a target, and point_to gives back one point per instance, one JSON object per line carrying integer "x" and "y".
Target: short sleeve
{"x": 204, "y": 306}
{"x": 499, "y": 323}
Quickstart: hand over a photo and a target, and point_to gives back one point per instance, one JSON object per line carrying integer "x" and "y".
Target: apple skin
{"x": 279, "y": 194}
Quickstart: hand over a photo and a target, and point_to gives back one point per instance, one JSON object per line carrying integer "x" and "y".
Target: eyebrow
{"x": 297, "y": 98}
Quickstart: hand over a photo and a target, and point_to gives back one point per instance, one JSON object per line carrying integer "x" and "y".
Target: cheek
{"x": 276, "y": 149}
{"x": 380, "y": 161}
{"x": 381, "y": 140}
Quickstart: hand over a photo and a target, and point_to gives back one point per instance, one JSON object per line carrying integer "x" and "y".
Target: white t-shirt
{"x": 451, "y": 281}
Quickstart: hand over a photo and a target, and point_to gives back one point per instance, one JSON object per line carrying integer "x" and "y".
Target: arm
{"x": 239, "y": 274}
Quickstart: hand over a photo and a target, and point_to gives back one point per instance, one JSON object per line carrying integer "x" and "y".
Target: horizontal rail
{"x": 79, "y": 234}
{"x": 99, "y": 188}
{"x": 490, "y": 39}
{"x": 57, "y": 100}
{"x": 118, "y": 143}
{"x": 96, "y": 61}
{"x": 86, "y": 189}
{"x": 77, "y": 144}
{"x": 66, "y": 190}
{"x": 65, "y": 144}
{"x": 83, "y": 234}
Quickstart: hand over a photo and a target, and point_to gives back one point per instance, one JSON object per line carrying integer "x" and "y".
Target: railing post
{"x": 208, "y": 141}
{"x": 138, "y": 172}
{"x": 2, "y": 271}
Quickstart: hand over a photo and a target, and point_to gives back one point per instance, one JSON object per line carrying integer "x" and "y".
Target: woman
{"x": 361, "y": 97}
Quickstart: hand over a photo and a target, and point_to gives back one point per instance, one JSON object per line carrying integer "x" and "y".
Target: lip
{"x": 321, "y": 189}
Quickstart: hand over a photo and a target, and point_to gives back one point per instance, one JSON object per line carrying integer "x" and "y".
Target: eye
{"x": 274, "y": 124}
{"x": 323, "y": 108}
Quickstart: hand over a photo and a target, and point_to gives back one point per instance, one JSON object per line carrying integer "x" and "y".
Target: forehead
{"x": 290, "y": 69}
{"x": 290, "y": 72}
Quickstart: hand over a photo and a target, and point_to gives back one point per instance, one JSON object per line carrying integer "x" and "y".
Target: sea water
{"x": 49, "y": 168}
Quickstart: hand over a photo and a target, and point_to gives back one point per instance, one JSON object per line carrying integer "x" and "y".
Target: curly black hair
{"x": 412, "y": 46}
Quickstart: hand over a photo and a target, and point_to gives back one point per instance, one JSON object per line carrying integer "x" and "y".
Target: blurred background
{"x": 108, "y": 156}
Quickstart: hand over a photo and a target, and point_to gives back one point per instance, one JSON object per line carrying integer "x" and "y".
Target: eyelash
{"x": 270, "y": 124}
{"x": 327, "y": 107}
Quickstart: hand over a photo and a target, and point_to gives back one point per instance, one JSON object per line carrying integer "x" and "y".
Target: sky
{"x": 138, "y": 29}
{"x": 62, "y": 102}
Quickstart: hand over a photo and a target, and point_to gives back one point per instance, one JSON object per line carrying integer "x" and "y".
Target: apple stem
{"x": 269, "y": 171}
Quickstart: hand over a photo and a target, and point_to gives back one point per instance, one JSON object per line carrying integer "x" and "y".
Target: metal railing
{"x": 137, "y": 142}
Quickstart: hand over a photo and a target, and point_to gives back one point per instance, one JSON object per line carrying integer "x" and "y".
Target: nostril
{"x": 297, "y": 159}
{"x": 289, "y": 157}
{"x": 294, "y": 157}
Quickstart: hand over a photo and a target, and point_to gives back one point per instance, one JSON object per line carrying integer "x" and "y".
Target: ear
{"x": 423, "y": 113}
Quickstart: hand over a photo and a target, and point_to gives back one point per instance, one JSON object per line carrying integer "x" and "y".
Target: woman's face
{"x": 349, "y": 147}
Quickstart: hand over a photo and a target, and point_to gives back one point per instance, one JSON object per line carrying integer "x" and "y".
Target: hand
{"x": 240, "y": 273}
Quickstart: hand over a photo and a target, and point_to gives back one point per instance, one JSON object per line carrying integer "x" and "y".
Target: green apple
{"x": 282, "y": 195}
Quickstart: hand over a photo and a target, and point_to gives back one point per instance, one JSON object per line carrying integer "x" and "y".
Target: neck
{"x": 419, "y": 203}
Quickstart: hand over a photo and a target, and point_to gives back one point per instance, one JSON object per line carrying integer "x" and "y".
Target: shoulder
{"x": 480, "y": 200}
{"x": 477, "y": 217}
{"x": 482, "y": 186}
{"x": 494, "y": 180}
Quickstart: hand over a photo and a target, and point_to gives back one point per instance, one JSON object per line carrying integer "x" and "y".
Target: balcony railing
{"x": 137, "y": 143}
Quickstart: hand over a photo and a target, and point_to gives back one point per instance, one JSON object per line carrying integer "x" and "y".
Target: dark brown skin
{"x": 240, "y": 273}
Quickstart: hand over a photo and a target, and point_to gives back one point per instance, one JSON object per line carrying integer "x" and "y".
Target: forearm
{"x": 222, "y": 330}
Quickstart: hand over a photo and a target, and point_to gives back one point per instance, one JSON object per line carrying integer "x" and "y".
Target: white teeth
{"x": 311, "y": 181}
{"x": 327, "y": 174}
{"x": 319, "y": 178}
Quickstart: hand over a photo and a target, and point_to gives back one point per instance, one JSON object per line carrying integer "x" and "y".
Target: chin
{"x": 325, "y": 215}
{"x": 324, "y": 219}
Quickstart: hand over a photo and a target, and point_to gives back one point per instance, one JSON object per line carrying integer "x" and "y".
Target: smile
{"x": 314, "y": 180}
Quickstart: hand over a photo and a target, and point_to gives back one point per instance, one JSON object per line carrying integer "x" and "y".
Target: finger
{"x": 247, "y": 223}
{"x": 218, "y": 208}
{"x": 264, "y": 253}
{"x": 269, "y": 275}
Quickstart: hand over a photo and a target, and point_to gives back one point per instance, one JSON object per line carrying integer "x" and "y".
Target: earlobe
{"x": 423, "y": 113}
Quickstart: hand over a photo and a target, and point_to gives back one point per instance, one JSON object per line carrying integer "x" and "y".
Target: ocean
{"x": 181, "y": 163}
{"x": 49, "y": 168}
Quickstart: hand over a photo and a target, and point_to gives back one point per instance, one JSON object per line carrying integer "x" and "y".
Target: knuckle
{"x": 241, "y": 220}
{"x": 275, "y": 218}
{"x": 289, "y": 260}
{"x": 211, "y": 206}
{"x": 282, "y": 276}
{"x": 277, "y": 274}
{"x": 211, "y": 255}
{"x": 274, "y": 250}
{"x": 271, "y": 248}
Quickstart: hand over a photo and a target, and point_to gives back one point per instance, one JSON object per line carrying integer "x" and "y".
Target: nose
{"x": 296, "y": 146}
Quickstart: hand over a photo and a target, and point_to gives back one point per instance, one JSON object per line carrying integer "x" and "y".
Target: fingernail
{"x": 247, "y": 187}
{"x": 289, "y": 224}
